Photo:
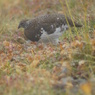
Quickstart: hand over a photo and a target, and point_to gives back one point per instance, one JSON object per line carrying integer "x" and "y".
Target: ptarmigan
{"x": 46, "y": 28}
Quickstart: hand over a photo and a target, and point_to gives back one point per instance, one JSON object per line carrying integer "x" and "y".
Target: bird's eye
{"x": 22, "y": 24}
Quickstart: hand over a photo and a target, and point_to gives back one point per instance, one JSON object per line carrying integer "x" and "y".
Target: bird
{"x": 46, "y": 28}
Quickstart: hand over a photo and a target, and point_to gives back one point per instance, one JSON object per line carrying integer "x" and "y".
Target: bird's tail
{"x": 72, "y": 24}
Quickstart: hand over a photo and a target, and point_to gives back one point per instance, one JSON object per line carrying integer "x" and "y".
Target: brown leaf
{"x": 93, "y": 42}
{"x": 77, "y": 44}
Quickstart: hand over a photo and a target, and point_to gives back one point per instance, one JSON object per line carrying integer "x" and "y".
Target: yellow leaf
{"x": 6, "y": 43}
{"x": 34, "y": 63}
{"x": 86, "y": 88}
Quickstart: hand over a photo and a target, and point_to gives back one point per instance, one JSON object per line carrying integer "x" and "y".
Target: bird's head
{"x": 24, "y": 23}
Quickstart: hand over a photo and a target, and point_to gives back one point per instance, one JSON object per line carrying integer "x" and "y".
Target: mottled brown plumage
{"x": 37, "y": 28}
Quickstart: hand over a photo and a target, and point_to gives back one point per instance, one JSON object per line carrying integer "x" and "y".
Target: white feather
{"x": 54, "y": 37}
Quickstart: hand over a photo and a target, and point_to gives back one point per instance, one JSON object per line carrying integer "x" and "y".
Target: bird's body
{"x": 46, "y": 28}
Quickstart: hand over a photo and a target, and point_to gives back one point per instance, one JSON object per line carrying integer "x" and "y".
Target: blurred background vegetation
{"x": 11, "y": 12}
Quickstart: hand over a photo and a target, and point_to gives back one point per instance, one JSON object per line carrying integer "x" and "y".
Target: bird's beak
{"x": 19, "y": 26}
